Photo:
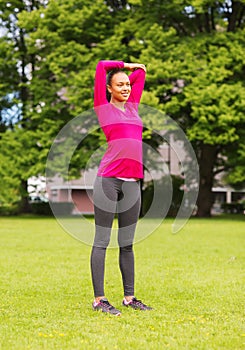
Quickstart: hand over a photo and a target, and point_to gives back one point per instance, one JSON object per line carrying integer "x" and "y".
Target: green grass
{"x": 195, "y": 280}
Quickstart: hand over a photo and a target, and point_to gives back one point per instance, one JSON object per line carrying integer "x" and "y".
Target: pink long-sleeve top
{"x": 123, "y": 129}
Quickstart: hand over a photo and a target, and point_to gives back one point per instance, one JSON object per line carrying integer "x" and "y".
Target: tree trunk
{"x": 212, "y": 18}
{"x": 239, "y": 22}
{"x": 24, "y": 206}
{"x": 199, "y": 22}
{"x": 207, "y": 22}
{"x": 207, "y": 160}
{"x": 234, "y": 17}
{"x": 23, "y": 77}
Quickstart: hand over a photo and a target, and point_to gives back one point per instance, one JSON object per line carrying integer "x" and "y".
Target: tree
{"x": 47, "y": 53}
{"x": 17, "y": 93}
{"x": 199, "y": 82}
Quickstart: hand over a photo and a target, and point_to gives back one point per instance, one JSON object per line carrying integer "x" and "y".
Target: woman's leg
{"x": 105, "y": 197}
{"x": 128, "y": 214}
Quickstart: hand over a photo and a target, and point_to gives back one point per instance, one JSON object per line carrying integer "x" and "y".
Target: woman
{"x": 117, "y": 186}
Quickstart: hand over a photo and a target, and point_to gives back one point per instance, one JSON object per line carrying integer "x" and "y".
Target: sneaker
{"x": 136, "y": 304}
{"x": 105, "y": 306}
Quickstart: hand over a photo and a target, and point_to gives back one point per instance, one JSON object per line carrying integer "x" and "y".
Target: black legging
{"x": 112, "y": 195}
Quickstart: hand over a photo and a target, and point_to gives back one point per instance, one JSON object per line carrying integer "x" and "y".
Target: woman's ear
{"x": 108, "y": 88}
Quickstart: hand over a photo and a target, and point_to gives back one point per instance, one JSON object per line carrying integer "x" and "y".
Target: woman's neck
{"x": 118, "y": 104}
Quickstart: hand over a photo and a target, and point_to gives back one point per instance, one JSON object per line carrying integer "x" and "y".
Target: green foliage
{"x": 199, "y": 83}
{"x": 8, "y": 86}
{"x": 235, "y": 176}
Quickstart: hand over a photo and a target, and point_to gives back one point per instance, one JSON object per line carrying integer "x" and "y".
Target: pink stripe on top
{"x": 123, "y": 129}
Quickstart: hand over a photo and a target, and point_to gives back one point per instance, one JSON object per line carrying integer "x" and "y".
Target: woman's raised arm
{"x": 137, "y": 80}
{"x": 100, "y": 80}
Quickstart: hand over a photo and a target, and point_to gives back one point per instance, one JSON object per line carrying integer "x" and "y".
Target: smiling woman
{"x": 117, "y": 186}
{"x": 119, "y": 88}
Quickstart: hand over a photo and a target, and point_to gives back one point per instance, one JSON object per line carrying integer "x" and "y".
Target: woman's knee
{"x": 102, "y": 237}
{"x": 128, "y": 248}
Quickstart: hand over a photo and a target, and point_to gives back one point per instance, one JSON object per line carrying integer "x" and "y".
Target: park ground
{"x": 194, "y": 280}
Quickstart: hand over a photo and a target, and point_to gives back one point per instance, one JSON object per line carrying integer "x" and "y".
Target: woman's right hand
{"x": 134, "y": 66}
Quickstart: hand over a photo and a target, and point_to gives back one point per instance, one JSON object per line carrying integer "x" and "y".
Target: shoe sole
{"x": 136, "y": 308}
{"x": 107, "y": 312}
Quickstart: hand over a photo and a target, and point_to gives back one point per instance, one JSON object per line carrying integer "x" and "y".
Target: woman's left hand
{"x": 134, "y": 66}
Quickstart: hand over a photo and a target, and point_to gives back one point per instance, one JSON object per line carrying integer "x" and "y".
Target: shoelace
{"x": 138, "y": 302}
{"x": 106, "y": 304}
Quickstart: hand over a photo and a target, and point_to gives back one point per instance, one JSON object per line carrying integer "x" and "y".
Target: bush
{"x": 8, "y": 210}
{"x": 62, "y": 208}
{"x": 41, "y": 208}
{"x": 148, "y": 192}
{"x": 59, "y": 208}
{"x": 233, "y": 208}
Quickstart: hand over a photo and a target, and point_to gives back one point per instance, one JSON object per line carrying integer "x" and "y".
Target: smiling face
{"x": 119, "y": 88}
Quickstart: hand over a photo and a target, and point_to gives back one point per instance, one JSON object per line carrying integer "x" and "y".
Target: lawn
{"x": 194, "y": 280}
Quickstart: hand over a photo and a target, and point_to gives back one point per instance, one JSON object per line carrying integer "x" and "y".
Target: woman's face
{"x": 120, "y": 87}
